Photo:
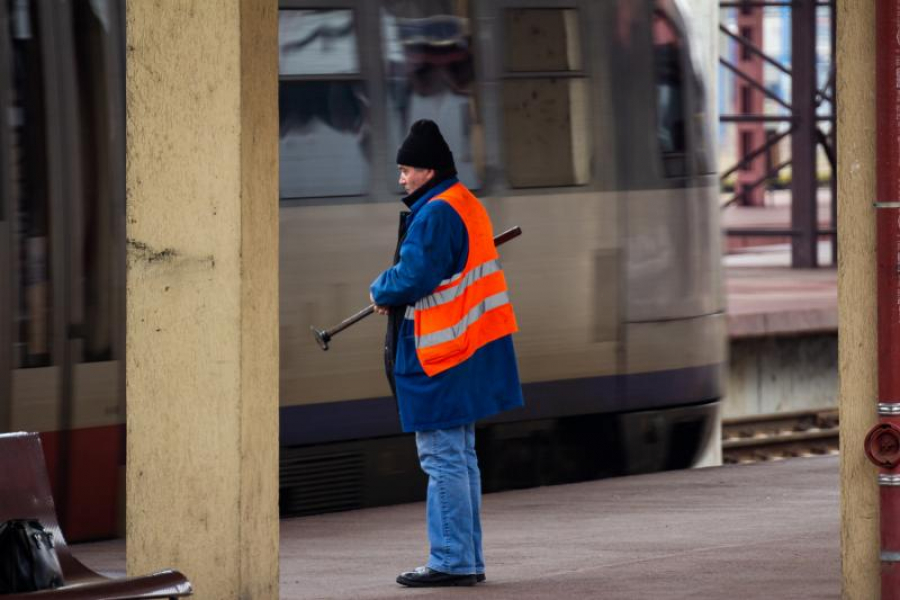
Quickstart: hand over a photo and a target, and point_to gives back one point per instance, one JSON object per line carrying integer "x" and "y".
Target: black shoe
{"x": 480, "y": 578}
{"x": 425, "y": 577}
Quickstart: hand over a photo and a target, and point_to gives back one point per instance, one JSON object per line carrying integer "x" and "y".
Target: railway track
{"x": 782, "y": 435}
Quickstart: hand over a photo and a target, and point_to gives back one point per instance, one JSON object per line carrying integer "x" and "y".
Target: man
{"x": 449, "y": 351}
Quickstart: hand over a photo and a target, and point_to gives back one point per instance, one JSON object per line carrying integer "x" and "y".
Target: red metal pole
{"x": 750, "y": 102}
{"x": 883, "y": 442}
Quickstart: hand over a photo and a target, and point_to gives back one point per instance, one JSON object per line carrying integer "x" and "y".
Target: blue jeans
{"x": 453, "y": 507}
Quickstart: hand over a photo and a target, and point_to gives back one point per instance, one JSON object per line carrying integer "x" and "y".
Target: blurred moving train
{"x": 583, "y": 122}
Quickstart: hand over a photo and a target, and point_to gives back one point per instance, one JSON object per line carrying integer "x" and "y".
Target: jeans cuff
{"x": 443, "y": 569}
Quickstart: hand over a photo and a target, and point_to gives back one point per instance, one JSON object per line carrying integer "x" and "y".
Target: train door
{"x": 5, "y": 212}
{"x": 64, "y": 249}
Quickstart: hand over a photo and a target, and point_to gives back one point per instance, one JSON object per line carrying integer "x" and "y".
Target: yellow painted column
{"x": 202, "y": 290}
{"x": 857, "y": 336}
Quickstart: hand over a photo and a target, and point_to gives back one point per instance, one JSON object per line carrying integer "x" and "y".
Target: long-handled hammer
{"x": 323, "y": 337}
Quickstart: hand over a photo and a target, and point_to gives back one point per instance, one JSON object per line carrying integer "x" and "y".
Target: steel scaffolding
{"x": 805, "y": 123}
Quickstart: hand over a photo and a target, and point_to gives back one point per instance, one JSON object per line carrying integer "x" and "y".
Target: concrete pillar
{"x": 202, "y": 288}
{"x": 860, "y": 540}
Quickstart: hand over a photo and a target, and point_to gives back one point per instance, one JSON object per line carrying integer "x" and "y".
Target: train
{"x": 584, "y": 123}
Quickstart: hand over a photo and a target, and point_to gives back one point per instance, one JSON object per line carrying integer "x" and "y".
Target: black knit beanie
{"x": 425, "y": 148}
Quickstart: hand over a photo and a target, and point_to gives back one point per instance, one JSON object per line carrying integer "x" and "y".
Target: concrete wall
{"x": 202, "y": 290}
{"x": 779, "y": 374}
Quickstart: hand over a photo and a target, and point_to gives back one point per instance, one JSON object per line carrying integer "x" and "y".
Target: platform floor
{"x": 765, "y": 296}
{"x": 763, "y": 531}
{"x": 752, "y": 531}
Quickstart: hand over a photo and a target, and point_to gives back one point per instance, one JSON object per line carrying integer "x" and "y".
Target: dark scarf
{"x": 397, "y": 313}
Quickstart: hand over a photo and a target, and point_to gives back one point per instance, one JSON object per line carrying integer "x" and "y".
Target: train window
{"x": 430, "y": 74}
{"x": 670, "y": 108}
{"x": 545, "y": 101}
{"x": 316, "y": 42}
{"x": 323, "y": 104}
{"x": 542, "y": 39}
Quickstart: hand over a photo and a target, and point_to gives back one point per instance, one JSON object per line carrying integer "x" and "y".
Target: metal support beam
{"x": 751, "y": 4}
{"x": 753, "y": 83}
{"x": 771, "y": 173}
{"x": 745, "y": 159}
{"x": 755, "y": 119}
{"x": 763, "y": 3}
{"x": 770, "y": 232}
{"x": 832, "y": 81}
{"x": 754, "y": 49}
{"x": 826, "y": 146}
{"x": 803, "y": 140}
{"x": 805, "y": 131}
{"x": 823, "y": 95}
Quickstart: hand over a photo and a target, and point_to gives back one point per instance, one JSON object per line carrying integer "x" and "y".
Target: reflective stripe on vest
{"x": 469, "y": 309}
{"x": 453, "y": 332}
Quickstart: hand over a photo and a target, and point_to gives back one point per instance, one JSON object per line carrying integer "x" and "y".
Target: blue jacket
{"x": 435, "y": 247}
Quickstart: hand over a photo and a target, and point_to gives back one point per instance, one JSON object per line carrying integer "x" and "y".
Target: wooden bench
{"x": 25, "y": 494}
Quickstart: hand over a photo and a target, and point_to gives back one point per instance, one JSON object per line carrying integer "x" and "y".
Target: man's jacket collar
{"x": 429, "y": 190}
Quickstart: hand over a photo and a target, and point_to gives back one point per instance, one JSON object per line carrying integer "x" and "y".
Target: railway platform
{"x": 765, "y": 295}
{"x": 767, "y": 530}
{"x": 782, "y": 322}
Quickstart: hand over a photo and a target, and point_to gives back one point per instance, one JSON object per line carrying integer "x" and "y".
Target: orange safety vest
{"x": 470, "y": 309}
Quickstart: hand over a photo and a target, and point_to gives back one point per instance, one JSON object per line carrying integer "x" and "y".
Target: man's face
{"x": 412, "y": 178}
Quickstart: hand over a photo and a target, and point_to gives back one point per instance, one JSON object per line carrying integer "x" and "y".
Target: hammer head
{"x": 322, "y": 338}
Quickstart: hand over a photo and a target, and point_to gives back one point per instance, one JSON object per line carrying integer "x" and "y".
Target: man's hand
{"x": 381, "y": 310}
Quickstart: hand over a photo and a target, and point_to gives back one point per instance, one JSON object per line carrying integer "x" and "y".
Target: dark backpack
{"x": 28, "y": 560}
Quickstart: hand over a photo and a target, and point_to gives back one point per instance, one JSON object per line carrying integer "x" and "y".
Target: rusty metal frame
{"x": 806, "y": 135}
{"x": 754, "y": 49}
{"x": 753, "y": 154}
{"x": 753, "y": 83}
{"x": 803, "y": 142}
{"x": 768, "y": 175}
